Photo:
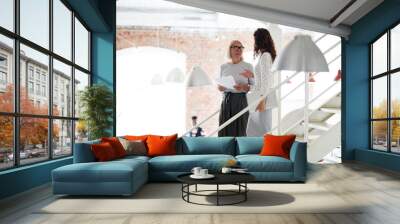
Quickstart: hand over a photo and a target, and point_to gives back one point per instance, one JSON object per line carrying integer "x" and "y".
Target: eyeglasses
{"x": 237, "y": 47}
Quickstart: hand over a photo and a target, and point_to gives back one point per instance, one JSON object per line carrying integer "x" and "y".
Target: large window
{"x": 40, "y": 80}
{"x": 385, "y": 94}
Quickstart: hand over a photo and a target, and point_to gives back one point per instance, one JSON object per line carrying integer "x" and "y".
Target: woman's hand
{"x": 221, "y": 88}
{"x": 247, "y": 73}
{"x": 261, "y": 106}
{"x": 242, "y": 87}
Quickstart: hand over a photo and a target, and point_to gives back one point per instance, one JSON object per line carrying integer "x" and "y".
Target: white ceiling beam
{"x": 348, "y": 12}
{"x": 268, "y": 15}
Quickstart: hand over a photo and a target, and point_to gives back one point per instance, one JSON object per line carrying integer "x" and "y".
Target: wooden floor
{"x": 377, "y": 188}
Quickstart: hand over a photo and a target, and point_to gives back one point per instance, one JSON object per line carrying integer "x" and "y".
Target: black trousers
{"x": 232, "y": 103}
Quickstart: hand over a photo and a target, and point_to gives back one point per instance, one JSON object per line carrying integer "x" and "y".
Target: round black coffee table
{"x": 238, "y": 179}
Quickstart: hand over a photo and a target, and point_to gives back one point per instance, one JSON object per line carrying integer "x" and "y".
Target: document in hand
{"x": 226, "y": 81}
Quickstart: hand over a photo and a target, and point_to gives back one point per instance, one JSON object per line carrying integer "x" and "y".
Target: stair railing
{"x": 297, "y": 87}
{"x": 314, "y": 110}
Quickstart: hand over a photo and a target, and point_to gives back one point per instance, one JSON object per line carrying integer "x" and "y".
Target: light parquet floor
{"x": 377, "y": 188}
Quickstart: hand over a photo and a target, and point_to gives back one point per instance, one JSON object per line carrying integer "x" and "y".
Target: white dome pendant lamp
{"x": 301, "y": 55}
{"x": 198, "y": 77}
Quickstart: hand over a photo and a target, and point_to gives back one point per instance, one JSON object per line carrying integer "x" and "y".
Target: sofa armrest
{"x": 83, "y": 152}
{"x": 298, "y": 155}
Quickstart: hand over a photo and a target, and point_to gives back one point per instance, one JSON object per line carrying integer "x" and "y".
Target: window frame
{"x": 15, "y": 72}
{"x": 388, "y": 74}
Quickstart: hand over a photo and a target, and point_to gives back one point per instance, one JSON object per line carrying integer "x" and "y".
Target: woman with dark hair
{"x": 264, "y": 50}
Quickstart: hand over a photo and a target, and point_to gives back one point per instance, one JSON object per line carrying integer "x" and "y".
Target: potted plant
{"x": 96, "y": 103}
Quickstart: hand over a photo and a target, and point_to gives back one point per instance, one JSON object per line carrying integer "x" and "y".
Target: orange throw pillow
{"x": 116, "y": 145}
{"x": 103, "y": 152}
{"x": 277, "y": 145}
{"x": 161, "y": 145}
{"x": 136, "y": 138}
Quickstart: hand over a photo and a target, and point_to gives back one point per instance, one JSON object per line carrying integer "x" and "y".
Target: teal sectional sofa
{"x": 125, "y": 176}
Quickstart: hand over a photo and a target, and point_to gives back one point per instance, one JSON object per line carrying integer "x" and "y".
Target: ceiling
{"x": 319, "y": 9}
{"x": 315, "y": 15}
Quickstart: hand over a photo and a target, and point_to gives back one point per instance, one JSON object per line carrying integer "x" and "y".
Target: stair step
{"x": 319, "y": 125}
{"x": 335, "y": 102}
{"x": 332, "y": 110}
{"x": 310, "y": 137}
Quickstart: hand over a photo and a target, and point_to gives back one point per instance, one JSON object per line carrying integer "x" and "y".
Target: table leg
{"x": 188, "y": 190}
{"x": 245, "y": 193}
{"x": 217, "y": 194}
{"x": 182, "y": 190}
{"x": 195, "y": 188}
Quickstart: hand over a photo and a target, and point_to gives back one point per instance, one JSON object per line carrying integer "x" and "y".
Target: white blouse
{"x": 234, "y": 70}
{"x": 264, "y": 80}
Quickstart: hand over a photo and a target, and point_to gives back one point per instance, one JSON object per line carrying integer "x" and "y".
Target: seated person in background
{"x": 197, "y": 132}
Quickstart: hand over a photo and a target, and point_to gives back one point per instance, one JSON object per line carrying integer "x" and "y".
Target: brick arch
{"x": 206, "y": 49}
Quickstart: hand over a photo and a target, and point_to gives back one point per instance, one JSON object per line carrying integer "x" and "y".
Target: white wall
{"x": 142, "y": 106}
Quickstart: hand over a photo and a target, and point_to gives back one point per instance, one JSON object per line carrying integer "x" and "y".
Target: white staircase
{"x": 323, "y": 128}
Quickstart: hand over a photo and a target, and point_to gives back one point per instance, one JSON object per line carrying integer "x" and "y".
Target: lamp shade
{"x": 157, "y": 79}
{"x": 198, "y": 77}
{"x": 301, "y": 55}
{"x": 175, "y": 75}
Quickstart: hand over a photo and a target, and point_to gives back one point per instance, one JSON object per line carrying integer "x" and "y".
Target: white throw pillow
{"x": 137, "y": 147}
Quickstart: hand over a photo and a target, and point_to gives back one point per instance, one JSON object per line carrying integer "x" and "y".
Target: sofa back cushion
{"x": 104, "y": 152}
{"x": 249, "y": 145}
{"x": 277, "y": 145}
{"x": 206, "y": 145}
{"x": 116, "y": 145}
{"x": 83, "y": 152}
{"x": 161, "y": 145}
{"x": 134, "y": 147}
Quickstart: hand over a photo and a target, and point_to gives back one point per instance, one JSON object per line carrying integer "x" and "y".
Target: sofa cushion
{"x": 134, "y": 147}
{"x": 116, "y": 145}
{"x": 131, "y": 158}
{"x": 136, "y": 137}
{"x": 83, "y": 152}
{"x": 207, "y": 145}
{"x": 112, "y": 171}
{"x": 249, "y": 145}
{"x": 185, "y": 163}
{"x": 257, "y": 163}
{"x": 161, "y": 145}
{"x": 277, "y": 145}
{"x": 103, "y": 152}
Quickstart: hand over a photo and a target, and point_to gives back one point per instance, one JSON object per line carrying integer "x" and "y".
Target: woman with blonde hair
{"x": 264, "y": 50}
{"x": 234, "y": 100}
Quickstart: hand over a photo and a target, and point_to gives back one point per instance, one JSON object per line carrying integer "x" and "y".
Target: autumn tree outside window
{"x": 385, "y": 91}
{"x": 39, "y": 90}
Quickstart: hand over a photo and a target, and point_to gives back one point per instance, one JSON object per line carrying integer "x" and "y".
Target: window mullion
{"x": 371, "y": 142}
{"x": 16, "y": 70}
{"x": 73, "y": 81}
{"x": 389, "y": 101}
{"x": 50, "y": 81}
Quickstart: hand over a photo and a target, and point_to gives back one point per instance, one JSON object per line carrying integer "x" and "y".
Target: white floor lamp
{"x": 302, "y": 55}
